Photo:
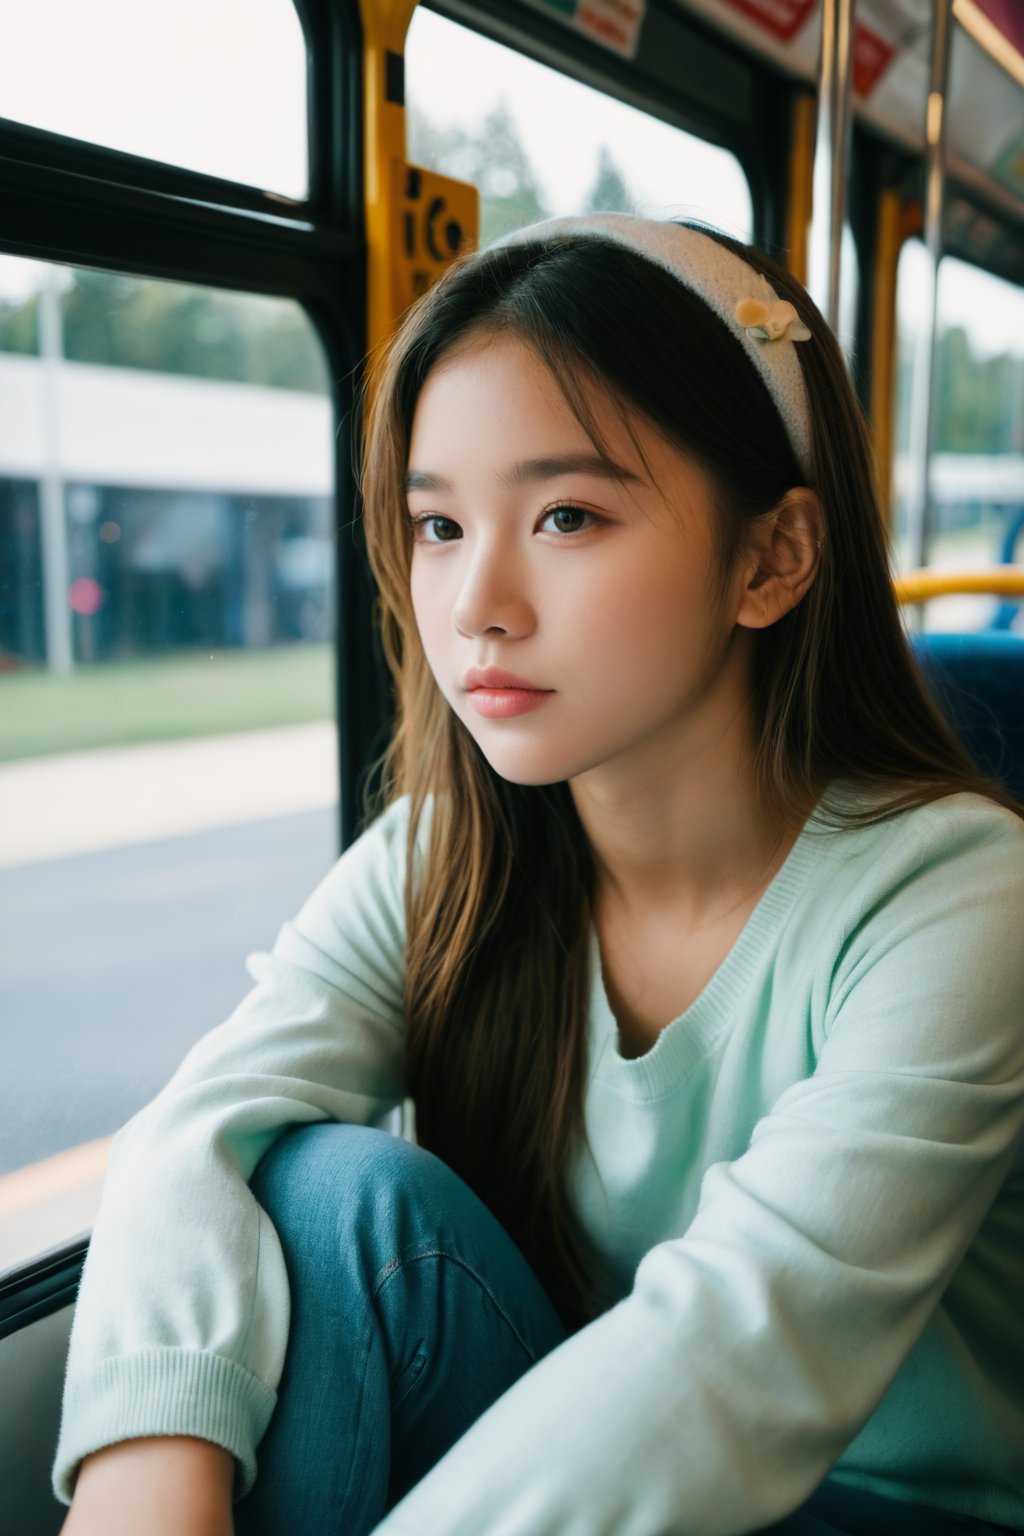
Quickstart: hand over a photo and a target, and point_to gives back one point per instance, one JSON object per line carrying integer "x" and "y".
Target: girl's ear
{"x": 781, "y": 559}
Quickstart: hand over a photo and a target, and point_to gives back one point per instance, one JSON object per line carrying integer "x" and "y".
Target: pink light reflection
{"x": 86, "y": 595}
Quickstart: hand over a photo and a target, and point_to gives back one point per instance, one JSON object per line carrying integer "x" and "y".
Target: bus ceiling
{"x": 892, "y": 47}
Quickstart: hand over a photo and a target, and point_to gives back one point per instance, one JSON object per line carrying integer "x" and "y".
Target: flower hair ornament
{"x": 740, "y": 296}
{"x": 771, "y": 322}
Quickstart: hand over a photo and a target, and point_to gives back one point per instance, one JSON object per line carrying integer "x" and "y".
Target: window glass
{"x": 212, "y": 85}
{"x": 168, "y": 746}
{"x": 849, "y": 285}
{"x": 849, "y": 280}
{"x": 540, "y": 145}
{"x": 978, "y": 442}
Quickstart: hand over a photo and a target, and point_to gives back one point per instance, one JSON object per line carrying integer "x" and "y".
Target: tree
{"x": 609, "y": 194}
{"x": 490, "y": 155}
{"x": 19, "y": 326}
{"x": 977, "y": 400}
{"x": 130, "y": 322}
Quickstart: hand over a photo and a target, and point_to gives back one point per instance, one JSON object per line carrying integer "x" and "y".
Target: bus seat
{"x": 1007, "y": 611}
{"x": 978, "y": 682}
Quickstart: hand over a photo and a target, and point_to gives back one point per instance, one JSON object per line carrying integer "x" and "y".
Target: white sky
{"x": 219, "y": 86}
{"x": 215, "y": 85}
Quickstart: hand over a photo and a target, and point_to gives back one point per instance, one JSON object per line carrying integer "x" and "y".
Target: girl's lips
{"x": 503, "y": 703}
{"x": 495, "y": 678}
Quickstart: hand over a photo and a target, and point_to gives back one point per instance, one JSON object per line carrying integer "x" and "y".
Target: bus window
{"x": 977, "y": 473}
{"x": 539, "y": 145}
{"x": 217, "y": 86}
{"x": 168, "y": 748}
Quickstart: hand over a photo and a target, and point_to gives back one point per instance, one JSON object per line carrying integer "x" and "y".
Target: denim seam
{"x": 394, "y": 1265}
{"x": 418, "y": 1359}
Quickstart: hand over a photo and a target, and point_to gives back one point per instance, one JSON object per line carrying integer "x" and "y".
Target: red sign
{"x": 616, "y": 23}
{"x": 1008, "y": 16}
{"x": 782, "y": 18}
{"x": 871, "y": 58}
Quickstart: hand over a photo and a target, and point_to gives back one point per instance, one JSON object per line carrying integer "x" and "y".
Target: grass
{"x": 164, "y": 699}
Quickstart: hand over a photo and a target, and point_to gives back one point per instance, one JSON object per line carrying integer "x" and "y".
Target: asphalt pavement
{"x": 134, "y": 881}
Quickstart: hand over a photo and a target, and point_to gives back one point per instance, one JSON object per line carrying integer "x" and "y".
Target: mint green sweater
{"x": 810, "y": 1189}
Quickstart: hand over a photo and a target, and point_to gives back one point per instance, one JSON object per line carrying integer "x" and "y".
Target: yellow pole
{"x": 385, "y": 25}
{"x": 884, "y": 343}
{"x": 801, "y": 183}
{"x": 417, "y": 221}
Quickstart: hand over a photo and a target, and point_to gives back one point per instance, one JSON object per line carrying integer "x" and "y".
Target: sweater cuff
{"x": 163, "y": 1392}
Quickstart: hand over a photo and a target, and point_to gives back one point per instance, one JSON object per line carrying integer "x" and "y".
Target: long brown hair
{"x": 497, "y": 969}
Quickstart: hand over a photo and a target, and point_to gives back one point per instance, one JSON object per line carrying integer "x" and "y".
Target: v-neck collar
{"x": 686, "y": 1040}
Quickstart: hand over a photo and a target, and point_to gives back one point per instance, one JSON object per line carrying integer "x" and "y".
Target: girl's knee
{"x": 349, "y": 1200}
{"x": 348, "y": 1171}
{"x": 306, "y": 1155}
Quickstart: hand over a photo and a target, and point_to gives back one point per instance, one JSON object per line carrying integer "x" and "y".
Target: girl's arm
{"x": 182, "y": 1316}
{"x": 166, "y": 1486}
{"x": 754, "y": 1348}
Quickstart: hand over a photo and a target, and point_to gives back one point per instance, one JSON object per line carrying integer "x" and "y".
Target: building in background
{"x": 196, "y": 512}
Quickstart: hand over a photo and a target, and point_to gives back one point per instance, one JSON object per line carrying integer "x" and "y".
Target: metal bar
{"x": 920, "y": 585}
{"x": 830, "y": 156}
{"x": 922, "y": 399}
{"x": 41, "y": 1286}
{"x": 41, "y": 147}
{"x": 56, "y": 215}
{"x": 54, "y": 541}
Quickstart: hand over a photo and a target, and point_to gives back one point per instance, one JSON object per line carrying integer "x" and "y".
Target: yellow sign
{"x": 436, "y": 218}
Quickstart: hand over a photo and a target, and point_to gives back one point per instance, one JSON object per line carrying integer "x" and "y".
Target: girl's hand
{"x": 165, "y": 1485}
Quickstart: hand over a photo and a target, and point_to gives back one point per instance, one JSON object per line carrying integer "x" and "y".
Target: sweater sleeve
{"x": 182, "y": 1315}
{"x": 751, "y": 1350}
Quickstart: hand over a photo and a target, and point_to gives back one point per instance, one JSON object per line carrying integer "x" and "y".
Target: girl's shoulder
{"x": 385, "y": 836}
{"x": 917, "y": 932}
{"x": 967, "y": 820}
{"x": 952, "y": 822}
{"x": 960, "y": 851}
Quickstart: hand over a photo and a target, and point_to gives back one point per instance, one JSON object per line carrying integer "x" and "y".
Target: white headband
{"x": 740, "y": 296}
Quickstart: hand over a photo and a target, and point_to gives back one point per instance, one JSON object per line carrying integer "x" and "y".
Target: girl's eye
{"x": 570, "y": 515}
{"x": 443, "y": 533}
{"x": 568, "y": 520}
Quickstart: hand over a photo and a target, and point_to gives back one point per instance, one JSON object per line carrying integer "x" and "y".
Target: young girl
{"x": 693, "y": 936}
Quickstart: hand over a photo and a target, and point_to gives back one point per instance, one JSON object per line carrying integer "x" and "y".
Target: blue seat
{"x": 977, "y": 681}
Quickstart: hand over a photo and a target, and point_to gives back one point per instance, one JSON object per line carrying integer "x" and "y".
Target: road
{"x": 133, "y": 883}
{"x": 113, "y": 963}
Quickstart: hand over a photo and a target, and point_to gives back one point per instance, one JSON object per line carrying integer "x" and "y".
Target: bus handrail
{"x": 926, "y": 582}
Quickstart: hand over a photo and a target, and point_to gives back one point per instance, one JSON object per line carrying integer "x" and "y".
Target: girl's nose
{"x": 493, "y": 597}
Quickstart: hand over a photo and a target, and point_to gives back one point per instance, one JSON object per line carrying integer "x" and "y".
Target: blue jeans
{"x": 412, "y": 1312}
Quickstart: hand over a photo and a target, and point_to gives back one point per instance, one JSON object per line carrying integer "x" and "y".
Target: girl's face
{"x": 528, "y": 557}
